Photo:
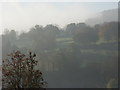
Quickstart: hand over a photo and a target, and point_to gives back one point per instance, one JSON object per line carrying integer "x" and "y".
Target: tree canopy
{"x": 19, "y": 72}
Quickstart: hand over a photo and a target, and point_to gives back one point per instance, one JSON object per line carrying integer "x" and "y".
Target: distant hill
{"x": 105, "y": 16}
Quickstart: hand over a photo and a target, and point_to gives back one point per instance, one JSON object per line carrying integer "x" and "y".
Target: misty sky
{"x": 23, "y": 15}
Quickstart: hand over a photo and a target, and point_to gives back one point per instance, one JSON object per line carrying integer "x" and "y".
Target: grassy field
{"x": 64, "y": 39}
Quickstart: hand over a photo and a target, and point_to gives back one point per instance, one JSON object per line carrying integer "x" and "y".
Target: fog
{"x": 70, "y": 52}
{"x": 23, "y": 15}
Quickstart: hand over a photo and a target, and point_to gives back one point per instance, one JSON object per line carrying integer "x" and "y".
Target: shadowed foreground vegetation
{"x": 19, "y": 72}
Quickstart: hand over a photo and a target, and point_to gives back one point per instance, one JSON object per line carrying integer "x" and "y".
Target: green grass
{"x": 64, "y": 39}
{"x": 102, "y": 52}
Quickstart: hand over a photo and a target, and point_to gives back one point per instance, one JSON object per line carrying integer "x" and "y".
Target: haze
{"x": 20, "y": 16}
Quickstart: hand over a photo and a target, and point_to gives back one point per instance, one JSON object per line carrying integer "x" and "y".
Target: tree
{"x": 71, "y": 28}
{"x": 112, "y": 83}
{"x": 86, "y": 35}
{"x": 109, "y": 31}
{"x": 19, "y": 72}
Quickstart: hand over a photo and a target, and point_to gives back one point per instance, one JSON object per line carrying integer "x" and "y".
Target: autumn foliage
{"x": 19, "y": 72}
